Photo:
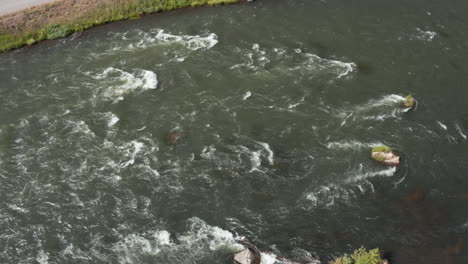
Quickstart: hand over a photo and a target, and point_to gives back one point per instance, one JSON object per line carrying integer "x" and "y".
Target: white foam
{"x": 133, "y": 247}
{"x": 112, "y": 119}
{"x": 194, "y": 244}
{"x": 424, "y": 35}
{"x": 208, "y": 152}
{"x": 342, "y": 69}
{"x": 291, "y": 106}
{"x": 379, "y": 117}
{"x": 119, "y": 83}
{"x": 131, "y": 149}
{"x": 158, "y": 37}
{"x": 459, "y": 130}
{"x": 367, "y": 111}
{"x": 163, "y": 237}
{"x": 42, "y": 257}
{"x": 67, "y": 111}
{"x": 387, "y": 173}
{"x": 246, "y": 95}
{"x": 270, "y": 154}
{"x": 444, "y": 127}
{"x": 351, "y": 144}
{"x": 268, "y": 258}
{"x": 406, "y": 109}
{"x": 79, "y": 127}
{"x": 391, "y": 99}
{"x": 255, "y": 160}
{"x": 256, "y": 47}
{"x": 150, "y": 80}
{"x": 196, "y": 42}
{"x": 256, "y": 59}
{"x": 18, "y": 209}
{"x": 326, "y": 195}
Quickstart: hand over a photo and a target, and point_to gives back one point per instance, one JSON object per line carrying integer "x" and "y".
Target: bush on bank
{"x": 130, "y": 9}
{"x": 361, "y": 256}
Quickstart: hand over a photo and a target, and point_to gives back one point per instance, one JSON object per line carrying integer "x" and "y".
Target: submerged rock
{"x": 409, "y": 102}
{"x": 384, "y": 155}
{"x": 173, "y": 136}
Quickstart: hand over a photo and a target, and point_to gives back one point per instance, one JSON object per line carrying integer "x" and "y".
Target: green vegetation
{"x": 100, "y": 14}
{"x": 381, "y": 149}
{"x": 409, "y": 101}
{"x": 56, "y": 31}
{"x": 360, "y": 256}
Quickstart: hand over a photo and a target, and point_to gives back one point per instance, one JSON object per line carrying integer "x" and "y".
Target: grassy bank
{"x": 62, "y": 18}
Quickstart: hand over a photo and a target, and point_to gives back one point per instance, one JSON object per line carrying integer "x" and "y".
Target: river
{"x": 275, "y": 106}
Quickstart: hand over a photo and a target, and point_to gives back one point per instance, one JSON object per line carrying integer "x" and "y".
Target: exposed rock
{"x": 384, "y": 155}
{"x": 250, "y": 255}
{"x": 307, "y": 260}
{"x": 246, "y": 256}
{"x": 301, "y": 256}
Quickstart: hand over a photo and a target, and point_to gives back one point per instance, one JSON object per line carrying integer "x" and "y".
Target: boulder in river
{"x": 249, "y": 255}
{"x": 173, "y": 136}
{"x": 246, "y": 256}
{"x": 384, "y": 154}
{"x": 409, "y": 102}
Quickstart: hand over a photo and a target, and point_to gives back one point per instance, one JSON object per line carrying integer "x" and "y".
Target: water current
{"x": 275, "y": 106}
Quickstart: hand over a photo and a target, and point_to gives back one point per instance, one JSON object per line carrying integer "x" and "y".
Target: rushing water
{"x": 278, "y": 104}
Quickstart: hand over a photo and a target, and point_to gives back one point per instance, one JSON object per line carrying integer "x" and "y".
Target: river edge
{"x": 59, "y": 19}
{"x": 56, "y": 25}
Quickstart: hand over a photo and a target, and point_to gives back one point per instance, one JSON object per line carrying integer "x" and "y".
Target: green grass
{"x": 360, "y": 256}
{"x": 381, "y": 149}
{"x": 127, "y": 10}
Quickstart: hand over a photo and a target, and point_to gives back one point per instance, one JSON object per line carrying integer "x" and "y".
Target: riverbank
{"x": 62, "y": 18}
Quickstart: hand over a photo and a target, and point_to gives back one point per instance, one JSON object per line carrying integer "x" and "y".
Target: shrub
{"x": 360, "y": 256}
{"x": 57, "y": 31}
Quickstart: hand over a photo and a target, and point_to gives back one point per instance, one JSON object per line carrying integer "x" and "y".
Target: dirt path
{"x": 10, "y": 6}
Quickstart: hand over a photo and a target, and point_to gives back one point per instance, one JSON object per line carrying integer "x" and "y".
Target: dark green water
{"x": 278, "y": 104}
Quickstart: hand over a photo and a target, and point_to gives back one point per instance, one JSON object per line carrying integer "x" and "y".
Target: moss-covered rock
{"x": 384, "y": 154}
{"x": 409, "y": 102}
{"x": 381, "y": 149}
